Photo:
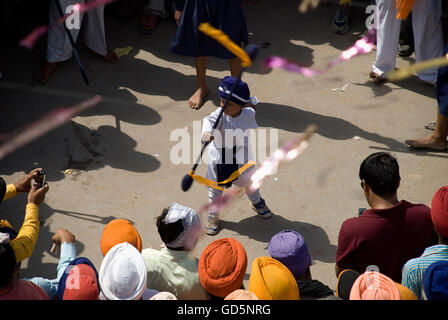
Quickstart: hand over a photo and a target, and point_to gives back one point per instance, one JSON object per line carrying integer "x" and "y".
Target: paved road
{"x": 120, "y": 150}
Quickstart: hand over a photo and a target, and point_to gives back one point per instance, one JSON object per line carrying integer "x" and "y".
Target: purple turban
{"x": 290, "y": 248}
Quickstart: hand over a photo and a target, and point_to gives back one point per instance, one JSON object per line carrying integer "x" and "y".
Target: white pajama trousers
{"x": 92, "y": 22}
{"x": 215, "y": 194}
{"x": 427, "y": 29}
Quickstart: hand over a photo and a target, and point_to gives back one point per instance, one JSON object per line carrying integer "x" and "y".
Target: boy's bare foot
{"x": 428, "y": 143}
{"x": 43, "y": 75}
{"x": 197, "y": 99}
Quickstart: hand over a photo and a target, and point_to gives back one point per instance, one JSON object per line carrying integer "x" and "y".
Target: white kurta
{"x": 92, "y": 22}
{"x": 427, "y": 29}
{"x": 231, "y": 131}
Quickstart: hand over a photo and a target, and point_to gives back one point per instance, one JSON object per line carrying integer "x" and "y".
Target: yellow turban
{"x": 271, "y": 280}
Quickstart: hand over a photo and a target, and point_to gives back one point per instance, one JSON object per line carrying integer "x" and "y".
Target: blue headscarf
{"x": 435, "y": 281}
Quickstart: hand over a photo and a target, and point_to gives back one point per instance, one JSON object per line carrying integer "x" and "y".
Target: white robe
{"x": 230, "y": 131}
{"x": 427, "y": 29}
{"x": 92, "y": 23}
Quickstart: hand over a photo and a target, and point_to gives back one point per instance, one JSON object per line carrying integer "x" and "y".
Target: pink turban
{"x": 372, "y": 285}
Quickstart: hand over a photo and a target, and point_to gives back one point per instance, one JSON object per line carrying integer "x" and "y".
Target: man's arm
{"x": 344, "y": 252}
{"x": 26, "y": 239}
{"x": 10, "y": 192}
{"x": 68, "y": 253}
{"x": 23, "y": 185}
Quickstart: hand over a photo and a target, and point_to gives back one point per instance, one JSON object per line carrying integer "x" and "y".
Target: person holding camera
{"x": 386, "y": 236}
{"x": 23, "y": 242}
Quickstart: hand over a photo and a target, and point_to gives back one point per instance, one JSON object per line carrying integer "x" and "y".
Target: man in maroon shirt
{"x": 386, "y": 236}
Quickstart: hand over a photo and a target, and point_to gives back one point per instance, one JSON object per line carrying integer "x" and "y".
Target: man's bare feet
{"x": 110, "y": 56}
{"x": 43, "y": 75}
{"x": 428, "y": 143}
{"x": 197, "y": 99}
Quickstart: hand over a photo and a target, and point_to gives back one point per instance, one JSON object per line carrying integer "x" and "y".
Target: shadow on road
{"x": 261, "y": 230}
{"x": 296, "y": 120}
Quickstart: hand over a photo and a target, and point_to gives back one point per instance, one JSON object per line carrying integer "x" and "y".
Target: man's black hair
{"x": 7, "y": 264}
{"x": 168, "y": 232}
{"x": 381, "y": 172}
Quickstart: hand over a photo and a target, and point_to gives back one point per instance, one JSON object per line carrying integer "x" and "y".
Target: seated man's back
{"x": 175, "y": 272}
{"x": 385, "y": 238}
{"x": 392, "y": 232}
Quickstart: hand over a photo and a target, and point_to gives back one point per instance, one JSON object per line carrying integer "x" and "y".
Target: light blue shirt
{"x": 414, "y": 269}
{"x": 50, "y": 286}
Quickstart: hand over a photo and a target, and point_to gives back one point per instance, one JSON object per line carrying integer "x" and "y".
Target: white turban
{"x": 191, "y": 223}
{"x": 164, "y": 295}
{"x": 123, "y": 273}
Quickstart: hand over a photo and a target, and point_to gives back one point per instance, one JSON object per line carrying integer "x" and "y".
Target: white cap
{"x": 123, "y": 273}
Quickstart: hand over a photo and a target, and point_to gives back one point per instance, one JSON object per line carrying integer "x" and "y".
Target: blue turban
{"x": 240, "y": 95}
{"x": 290, "y": 248}
{"x": 435, "y": 281}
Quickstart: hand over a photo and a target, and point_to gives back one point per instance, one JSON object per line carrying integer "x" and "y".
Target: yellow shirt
{"x": 26, "y": 239}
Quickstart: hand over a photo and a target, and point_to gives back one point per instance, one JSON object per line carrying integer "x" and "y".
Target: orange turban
{"x": 271, "y": 280}
{"x": 222, "y": 266}
{"x": 439, "y": 211}
{"x": 372, "y": 285}
{"x": 118, "y": 231}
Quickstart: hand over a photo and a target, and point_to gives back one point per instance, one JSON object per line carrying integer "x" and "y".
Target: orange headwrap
{"x": 404, "y": 7}
{"x": 222, "y": 266}
{"x": 372, "y": 285}
{"x": 119, "y": 231}
{"x": 405, "y": 293}
{"x": 271, "y": 280}
{"x": 439, "y": 211}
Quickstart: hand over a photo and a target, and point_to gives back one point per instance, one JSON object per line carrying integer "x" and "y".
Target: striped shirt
{"x": 414, "y": 269}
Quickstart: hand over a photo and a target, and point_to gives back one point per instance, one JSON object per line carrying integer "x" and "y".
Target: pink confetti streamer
{"x": 362, "y": 46}
{"x": 29, "y": 41}
{"x": 48, "y": 122}
{"x": 291, "y": 150}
